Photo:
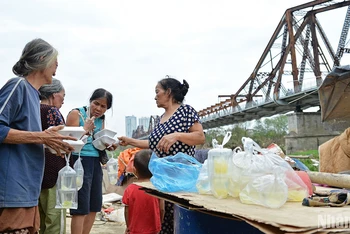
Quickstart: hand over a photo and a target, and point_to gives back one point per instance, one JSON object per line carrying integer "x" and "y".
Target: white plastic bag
{"x": 116, "y": 215}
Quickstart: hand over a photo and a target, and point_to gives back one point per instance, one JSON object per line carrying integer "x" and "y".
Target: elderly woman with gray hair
{"x": 52, "y": 220}
{"x": 22, "y": 138}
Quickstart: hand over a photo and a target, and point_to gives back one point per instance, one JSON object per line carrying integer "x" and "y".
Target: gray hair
{"x": 37, "y": 55}
{"x": 48, "y": 90}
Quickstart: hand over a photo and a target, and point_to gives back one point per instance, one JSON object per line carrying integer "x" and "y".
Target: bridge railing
{"x": 259, "y": 101}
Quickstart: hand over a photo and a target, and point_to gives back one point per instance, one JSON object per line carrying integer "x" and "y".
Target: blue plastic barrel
{"x": 194, "y": 222}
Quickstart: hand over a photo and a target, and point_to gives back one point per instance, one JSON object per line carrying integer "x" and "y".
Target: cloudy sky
{"x": 127, "y": 46}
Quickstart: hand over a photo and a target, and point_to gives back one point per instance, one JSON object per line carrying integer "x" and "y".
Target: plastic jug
{"x": 218, "y": 164}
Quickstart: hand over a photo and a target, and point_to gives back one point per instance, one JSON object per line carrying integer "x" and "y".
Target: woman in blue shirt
{"x": 90, "y": 195}
{"x": 22, "y": 138}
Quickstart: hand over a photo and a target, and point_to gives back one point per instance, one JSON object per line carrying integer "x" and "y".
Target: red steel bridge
{"x": 293, "y": 65}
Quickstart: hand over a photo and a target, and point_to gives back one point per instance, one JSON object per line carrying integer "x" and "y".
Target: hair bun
{"x": 184, "y": 87}
{"x": 185, "y": 84}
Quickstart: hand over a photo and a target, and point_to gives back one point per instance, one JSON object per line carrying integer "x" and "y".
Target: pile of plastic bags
{"x": 254, "y": 175}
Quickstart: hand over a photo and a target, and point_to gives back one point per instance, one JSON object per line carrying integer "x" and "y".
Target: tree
{"x": 271, "y": 130}
{"x": 263, "y": 131}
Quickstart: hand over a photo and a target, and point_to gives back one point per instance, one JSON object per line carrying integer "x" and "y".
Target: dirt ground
{"x": 104, "y": 224}
{"x": 106, "y": 227}
{"x": 102, "y": 227}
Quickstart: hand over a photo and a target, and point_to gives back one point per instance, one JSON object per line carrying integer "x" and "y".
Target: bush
{"x": 313, "y": 154}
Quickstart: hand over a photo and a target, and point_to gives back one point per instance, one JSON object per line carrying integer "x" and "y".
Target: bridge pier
{"x": 307, "y": 132}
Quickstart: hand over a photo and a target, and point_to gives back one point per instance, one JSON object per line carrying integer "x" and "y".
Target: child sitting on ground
{"x": 143, "y": 212}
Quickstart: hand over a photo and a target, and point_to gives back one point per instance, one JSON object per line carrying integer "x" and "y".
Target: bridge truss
{"x": 293, "y": 65}
{"x": 141, "y": 133}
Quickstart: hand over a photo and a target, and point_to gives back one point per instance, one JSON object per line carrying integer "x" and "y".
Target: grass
{"x": 313, "y": 154}
{"x": 114, "y": 154}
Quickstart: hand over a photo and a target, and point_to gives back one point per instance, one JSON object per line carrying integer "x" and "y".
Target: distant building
{"x": 130, "y": 125}
{"x": 144, "y": 121}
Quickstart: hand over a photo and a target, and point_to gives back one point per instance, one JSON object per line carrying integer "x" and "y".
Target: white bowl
{"x": 77, "y": 145}
{"x": 102, "y": 142}
{"x": 105, "y": 132}
{"x": 76, "y": 132}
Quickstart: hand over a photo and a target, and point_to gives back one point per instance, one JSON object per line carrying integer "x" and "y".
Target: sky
{"x": 126, "y": 47}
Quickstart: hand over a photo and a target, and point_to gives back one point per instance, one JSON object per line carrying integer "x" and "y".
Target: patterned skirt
{"x": 168, "y": 222}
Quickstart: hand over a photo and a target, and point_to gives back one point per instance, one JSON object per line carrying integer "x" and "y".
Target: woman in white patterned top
{"x": 178, "y": 130}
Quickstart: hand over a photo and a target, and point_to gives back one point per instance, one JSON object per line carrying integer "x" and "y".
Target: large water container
{"x": 194, "y": 222}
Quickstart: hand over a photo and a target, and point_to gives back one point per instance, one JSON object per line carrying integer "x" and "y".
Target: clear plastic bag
{"x": 79, "y": 169}
{"x": 256, "y": 162}
{"x": 66, "y": 188}
{"x": 203, "y": 182}
{"x": 215, "y": 174}
{"x": 267, "y": 190}
{"x": 246, "y": 166}
{"x": 112, "y": 170}
{"x": 218, "y": 167}
{"x": 174, "y": 173}
{"x": 297, "y": 189}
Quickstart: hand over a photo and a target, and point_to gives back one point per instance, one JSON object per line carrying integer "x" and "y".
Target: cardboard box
{"x": 292, "y": 217}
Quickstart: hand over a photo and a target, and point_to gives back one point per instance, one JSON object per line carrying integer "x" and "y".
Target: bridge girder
{"x": 298, "y": 47}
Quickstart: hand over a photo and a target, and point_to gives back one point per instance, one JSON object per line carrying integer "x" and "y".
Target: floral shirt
{"x": 181, "y": 121}
{"x": 51, "y": 116}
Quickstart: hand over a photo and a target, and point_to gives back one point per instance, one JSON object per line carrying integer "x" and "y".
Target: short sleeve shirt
{"x": 51, "y": 116}
{"x": 21, "y": 165}
{"x": 144, "y": 212}
{"x": 181, "y": 121}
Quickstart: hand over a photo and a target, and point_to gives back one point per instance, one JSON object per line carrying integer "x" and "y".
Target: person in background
{"x": 138, "y": 203}
{"x": 179, "y": 130}
{"x": 90, "y": 195}
{"x": 22, "y": 138}
{"x": 52, "y": 220}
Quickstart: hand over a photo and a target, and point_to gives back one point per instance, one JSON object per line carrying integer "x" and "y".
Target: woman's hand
{"x": 111, "y": 147}
{"x": 89, "y": 125}
{"x": 54, "y": 140}
{"x": 166, "y": 142}
{"x": 124, "y": 141}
